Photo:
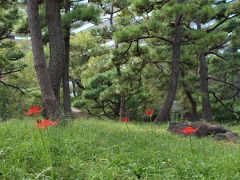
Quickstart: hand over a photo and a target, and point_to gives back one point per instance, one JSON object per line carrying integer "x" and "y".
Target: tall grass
{"x": 92, "y": 149}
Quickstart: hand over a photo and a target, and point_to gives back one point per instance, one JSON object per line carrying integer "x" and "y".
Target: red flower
{"x": 149, "y": 112}
{"x": 46, "y": 123}
{"x": 125, "y": 119}
{"x": 34, "y": 110}
{"x": 189, "y": 130}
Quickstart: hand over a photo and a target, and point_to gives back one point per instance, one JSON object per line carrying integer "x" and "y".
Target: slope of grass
{"x": 108, "y": 150}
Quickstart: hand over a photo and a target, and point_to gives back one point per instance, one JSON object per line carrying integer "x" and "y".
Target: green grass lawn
{"x": 91, "y": 149}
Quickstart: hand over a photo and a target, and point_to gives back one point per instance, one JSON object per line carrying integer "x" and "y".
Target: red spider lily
{"x": 46, "y": 123}
{"x": 34, "y": 110}
{"x": 149, "y": 112}
{"x": 125, "y": 119}
{"x": 189, "y": 130}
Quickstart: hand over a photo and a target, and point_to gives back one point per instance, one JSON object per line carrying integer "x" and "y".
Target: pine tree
{"x": 9, "y": 52}
{"x": 160, "y": 27}
{"x": 112, "y": 8}
{"x": 211, "y": 36}
{"x": 78, "y": 13}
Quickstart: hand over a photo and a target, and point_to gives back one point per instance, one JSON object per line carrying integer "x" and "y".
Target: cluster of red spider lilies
{"x": 189, "y": 130}
{"x": 44, "y": 123}
{"x": 149, "y": 113}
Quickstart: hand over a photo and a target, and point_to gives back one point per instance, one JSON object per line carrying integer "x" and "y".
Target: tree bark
{"x": 190, "y": 97}
{"x": 122, "y": 96}
{"x": 65, "y": 78}
{"x": 56, "y": 44}
{"x": 193, "y": 103}
{"x": 203, "y": 71}
{"x": 175, "y": 71}
{"x": 122, "y": 109}
{"x": 50, "y": 104}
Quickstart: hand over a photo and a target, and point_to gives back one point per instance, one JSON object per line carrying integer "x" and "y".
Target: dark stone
{"x": 217, "y": 129}
{"x": 228, "y": 136}
{"x": 177, "y": 127}
{"x": 204, "y": 130}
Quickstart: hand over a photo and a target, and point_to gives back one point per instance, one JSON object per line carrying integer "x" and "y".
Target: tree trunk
{"x": 190, "y": 97}
{"x": 235, "y": 58}
{"x": 207, "y": 110}
{"x": 56, "y": 44}
{"x": 50, "y": 104}
{"x": 65, "y": 78}
{"x": 122, "y": 96}
{"x": 175, "y": 72}
{"x": 193, "y": 103}
{"x": 122, "y": 106}
{"x": 203, "y": 72}
{"x": 74, "y": 88}
{"x": 122, "y": 109}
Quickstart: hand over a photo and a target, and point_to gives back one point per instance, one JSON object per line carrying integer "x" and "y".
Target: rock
{"x": 220, "y": 137}
{"x": 204, "y": 130}
{"x": 177, "y": 127}
{"x": 229, "y": 136}
{"x": 217, "y": 129}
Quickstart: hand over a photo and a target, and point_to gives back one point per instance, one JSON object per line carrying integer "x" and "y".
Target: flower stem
{"x": 127, "y": 127}
{"x": 190, "y": 141}
{"x": 46, "y": 149}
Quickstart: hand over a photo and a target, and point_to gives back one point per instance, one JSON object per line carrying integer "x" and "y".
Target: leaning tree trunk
{"x": 65, "y": 77}
{"x": 190, "y": 97}
{"x": 175, "y": 72}
{"x": 50, "y": 104}
{"x": 207, "y": 110}
{"x": 193, "y": 103}
{"x": 56, "y": 43}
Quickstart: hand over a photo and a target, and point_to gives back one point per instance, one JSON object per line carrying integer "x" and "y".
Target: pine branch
{"x": 218, "y": 46}
{"x": 221, "y": 22}
{"x": 12, "y": 86}
{"x": 225, "y": 82}
{"x": 9, "y": 72}
{"x": 216, "y": 54}
{"x": 152, "y": 37}
{"x": 224, "y": 105}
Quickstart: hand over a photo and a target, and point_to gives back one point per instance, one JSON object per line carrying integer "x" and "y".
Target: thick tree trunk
{"x": 175, "y": 72}
{"x": 65, "y": 78}
{"x": 50, "y": 104}
{"x": 206, "y": 105}
{"x": 56, "y": 43}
